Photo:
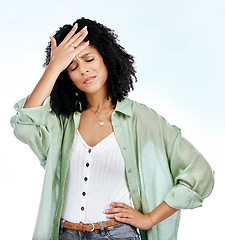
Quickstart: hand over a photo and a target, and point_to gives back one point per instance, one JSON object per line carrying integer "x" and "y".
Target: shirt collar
{"x": 124, "y": 107}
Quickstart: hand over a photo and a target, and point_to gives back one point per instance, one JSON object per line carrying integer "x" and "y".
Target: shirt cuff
{"x": 32, "y": 116}
{"x": 182, "y": 197}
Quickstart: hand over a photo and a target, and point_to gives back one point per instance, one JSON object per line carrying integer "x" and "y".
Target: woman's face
{"x": 88, "y": 71}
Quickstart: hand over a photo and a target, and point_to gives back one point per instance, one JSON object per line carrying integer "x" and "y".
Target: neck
{"x": 99, "y": 102}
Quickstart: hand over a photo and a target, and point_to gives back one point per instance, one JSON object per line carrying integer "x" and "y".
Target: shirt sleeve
{"x": 192, "y": 175}
{"x": 31, "y": 126}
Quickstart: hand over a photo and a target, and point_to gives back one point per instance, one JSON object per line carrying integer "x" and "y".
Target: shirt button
{"x": 85, "y": 179}
{"x": 87, "y": 164}
{"x": 124, "y": 148}
{"x": 82, "y": 208}
{"x": 129, "y": 170}
{"x": 89, "y": 150}
{"x": 83, "y": 193}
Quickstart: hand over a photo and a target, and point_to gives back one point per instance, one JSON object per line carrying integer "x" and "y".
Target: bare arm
{"x": 127, "y": 214}
{"x": 160, "y": 213}
{"x": 61, "y": 57}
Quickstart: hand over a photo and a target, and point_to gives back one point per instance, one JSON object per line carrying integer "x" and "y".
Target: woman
{"x": 112, "y": 165}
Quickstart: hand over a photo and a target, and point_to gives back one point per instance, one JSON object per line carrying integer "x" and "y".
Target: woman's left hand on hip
{"x": 124, "y": 213}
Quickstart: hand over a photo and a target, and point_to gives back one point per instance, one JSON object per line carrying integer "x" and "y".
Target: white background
{"x": 179, "y": 47}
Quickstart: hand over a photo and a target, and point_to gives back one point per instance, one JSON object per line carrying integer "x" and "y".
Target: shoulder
{"x": 132, "y": 108}
{"x": 140, "y": 111}
{"x": 147, "y": 116}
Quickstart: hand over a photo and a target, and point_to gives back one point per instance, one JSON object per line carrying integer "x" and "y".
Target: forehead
{"x": 88, "y": 50}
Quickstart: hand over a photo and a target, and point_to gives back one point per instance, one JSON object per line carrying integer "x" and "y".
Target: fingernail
{"x": 75, "y": 25}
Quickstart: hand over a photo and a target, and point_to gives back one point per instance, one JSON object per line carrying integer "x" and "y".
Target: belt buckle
{"x": 82, "y": 229}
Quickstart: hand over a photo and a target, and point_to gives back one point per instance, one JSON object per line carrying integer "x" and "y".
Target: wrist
{"x": 53, "y": 68}
{"x": 151, "y": 220}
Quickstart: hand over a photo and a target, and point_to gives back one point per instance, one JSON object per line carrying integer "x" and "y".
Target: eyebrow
{"x": 85, "y": 55}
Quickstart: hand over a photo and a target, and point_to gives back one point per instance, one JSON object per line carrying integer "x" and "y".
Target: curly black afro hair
{"x": 66, "y": 98}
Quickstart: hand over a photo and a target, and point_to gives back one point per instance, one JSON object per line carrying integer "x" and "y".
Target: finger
{"x": 80, "y": 48}
{"x": 115, "y": 210}
{"x": 120, "y": 204}
{"x": 79, "y": 37}
{"x": 71, "y": 33}
{"x": 121, "y": 215}
{"x": 110, "y": 216}
{"x": 125, "y": 220}
{"x": 53, "y": 43}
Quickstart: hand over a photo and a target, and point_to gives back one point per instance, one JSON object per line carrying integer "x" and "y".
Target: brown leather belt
{"x": 87, "y": 227}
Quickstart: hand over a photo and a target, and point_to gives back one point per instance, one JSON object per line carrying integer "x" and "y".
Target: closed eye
{"x": 90, "y": 60}
{"x": 74, "y": 68}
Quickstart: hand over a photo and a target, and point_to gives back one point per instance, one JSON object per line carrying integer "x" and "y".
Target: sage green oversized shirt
{"x": 160, "y": 164}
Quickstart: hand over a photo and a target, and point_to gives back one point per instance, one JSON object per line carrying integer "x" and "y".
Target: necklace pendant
{"x": 101, "y": 123}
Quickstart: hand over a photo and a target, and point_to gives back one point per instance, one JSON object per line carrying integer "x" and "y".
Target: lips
{"x": 89, "y": 79}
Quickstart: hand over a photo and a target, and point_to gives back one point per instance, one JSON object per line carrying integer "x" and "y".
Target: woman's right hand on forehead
{"x": 72, "y": 45}
{"x": 61, "y": 57}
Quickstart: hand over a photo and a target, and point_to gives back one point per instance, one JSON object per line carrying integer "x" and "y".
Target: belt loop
{"x": 102, "y": 230}
{"x": 61, "y": 226}
{"x": 81, "y": 227}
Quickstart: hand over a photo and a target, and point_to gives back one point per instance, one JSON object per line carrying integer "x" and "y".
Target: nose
{"x": 82, "y": 73}
{"x": 83, "y": 68}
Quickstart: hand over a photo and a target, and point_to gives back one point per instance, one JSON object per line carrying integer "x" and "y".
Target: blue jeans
{"x": 117, "y": 232}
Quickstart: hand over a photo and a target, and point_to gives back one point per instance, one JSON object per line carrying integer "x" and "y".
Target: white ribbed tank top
{"x": 96, "y": 176}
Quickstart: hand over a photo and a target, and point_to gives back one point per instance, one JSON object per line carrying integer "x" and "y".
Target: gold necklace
{"x": 101, "y": 123}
